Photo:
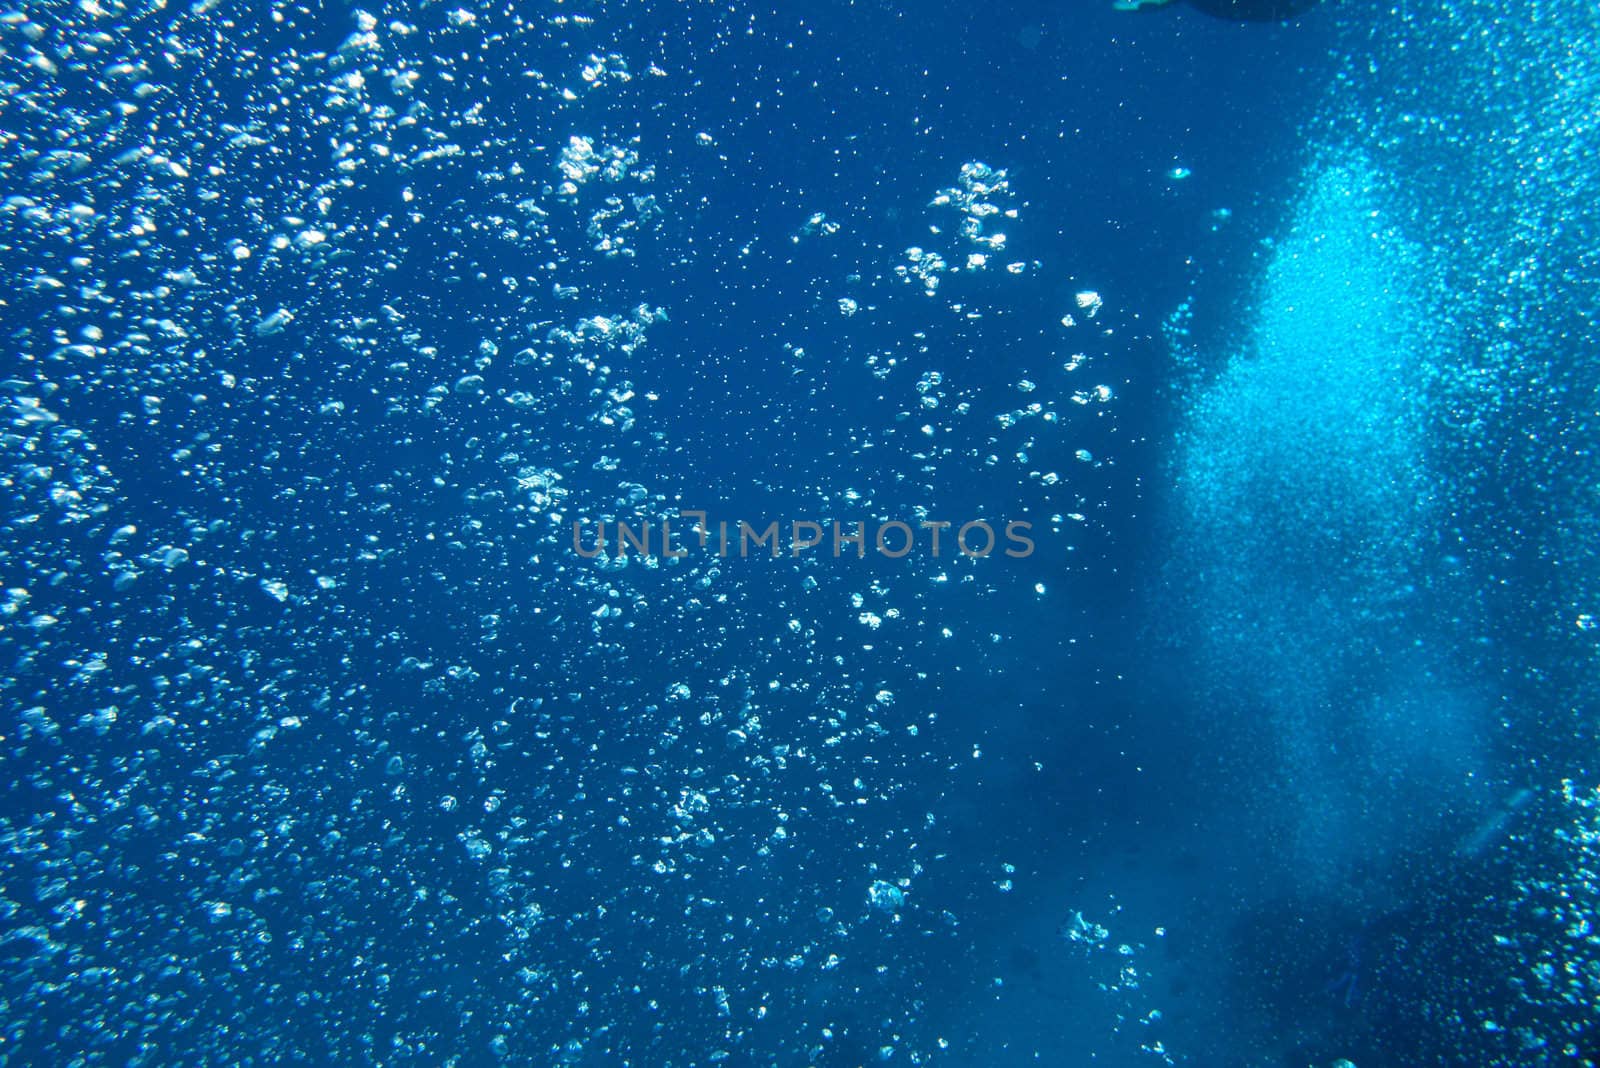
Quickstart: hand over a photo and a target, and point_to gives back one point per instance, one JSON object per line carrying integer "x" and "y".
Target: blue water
{"x": 326, "y": 327}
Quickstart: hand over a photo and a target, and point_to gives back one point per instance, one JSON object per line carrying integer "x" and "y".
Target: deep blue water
{"x": 322, "y": 744}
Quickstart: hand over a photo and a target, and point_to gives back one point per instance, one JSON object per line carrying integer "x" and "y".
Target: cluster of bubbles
{"x": 326, "y": 746}
{"x": 1545, "y": 937}
{"x": 981, "y": 200}
{"x": 1120, "y": 974}
{"x": 1386, "y": 521}
{"x": 1307, "y": 492}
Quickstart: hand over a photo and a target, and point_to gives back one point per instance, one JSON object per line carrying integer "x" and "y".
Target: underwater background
{"x": 326, "y": 324}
